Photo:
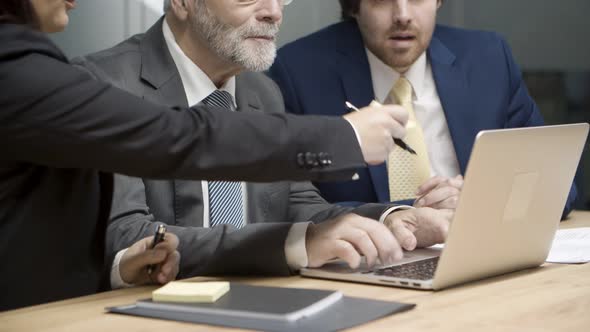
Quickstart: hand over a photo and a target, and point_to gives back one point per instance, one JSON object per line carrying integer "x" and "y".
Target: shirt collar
{"x": 197, "y": 85}
{"x": 384, "y": 76}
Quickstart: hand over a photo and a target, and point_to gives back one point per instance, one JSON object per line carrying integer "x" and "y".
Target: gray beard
{"x": 229, "y": 43}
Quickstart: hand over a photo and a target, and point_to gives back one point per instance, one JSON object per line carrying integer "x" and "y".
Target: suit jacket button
{"x": 311, "y": 159}
{"x": 301, "y": 160}
{"x": 324, "y": 159}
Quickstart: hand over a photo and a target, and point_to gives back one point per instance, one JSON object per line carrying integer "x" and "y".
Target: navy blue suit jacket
{"x": 479, "y": 84}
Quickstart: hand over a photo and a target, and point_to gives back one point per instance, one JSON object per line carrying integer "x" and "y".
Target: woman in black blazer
{"x": 62, "y": 134}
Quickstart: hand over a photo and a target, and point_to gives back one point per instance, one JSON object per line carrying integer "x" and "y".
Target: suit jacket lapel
{"x": 246, "y": 98}
{"x": 451, "y": 84}
{"x": 353, "y": 68}
{"x": 159, "y": 71}
{"x": 163, "y": 85}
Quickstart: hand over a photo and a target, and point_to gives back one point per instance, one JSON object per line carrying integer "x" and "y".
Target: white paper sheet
{"x": 571, "y": 246}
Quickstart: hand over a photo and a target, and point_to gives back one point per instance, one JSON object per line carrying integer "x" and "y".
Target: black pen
{"x": 158, "y": 237}
{"x": 397, "y": 141}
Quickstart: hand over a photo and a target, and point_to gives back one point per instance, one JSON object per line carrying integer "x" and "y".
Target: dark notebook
{"x": 271, "y": 309}
{"x": 269, "y": 303}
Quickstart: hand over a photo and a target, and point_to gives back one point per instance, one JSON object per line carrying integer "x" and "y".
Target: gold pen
{"x": 397, "y": 141}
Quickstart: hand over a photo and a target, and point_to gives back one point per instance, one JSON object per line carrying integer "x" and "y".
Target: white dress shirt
{"x": 197, "y": 86}
{"x": 427, "y": 107}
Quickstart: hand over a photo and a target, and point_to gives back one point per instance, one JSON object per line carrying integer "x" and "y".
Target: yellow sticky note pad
{"x": 195, "y": 292}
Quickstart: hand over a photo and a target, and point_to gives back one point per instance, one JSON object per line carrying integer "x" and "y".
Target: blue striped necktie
{"x": 226, "y": 200}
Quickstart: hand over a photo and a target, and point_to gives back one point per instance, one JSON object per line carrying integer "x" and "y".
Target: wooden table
{"x": 550, "y": 298}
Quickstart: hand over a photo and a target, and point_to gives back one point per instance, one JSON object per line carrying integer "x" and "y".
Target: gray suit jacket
{"x": 142, "y": 65}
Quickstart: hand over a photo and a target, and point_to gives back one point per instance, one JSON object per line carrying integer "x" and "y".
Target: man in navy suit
{"x": 461, "y": 81}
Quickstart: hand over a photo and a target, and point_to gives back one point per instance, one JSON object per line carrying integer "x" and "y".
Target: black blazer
{"x": 59, "y": 129}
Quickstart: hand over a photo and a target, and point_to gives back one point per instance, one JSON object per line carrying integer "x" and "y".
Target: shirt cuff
{"x": 116, "y": 280}
{"x": 295, "y": 250}
{"x": 392, "y": 210}
{"x": 356, "y": 133}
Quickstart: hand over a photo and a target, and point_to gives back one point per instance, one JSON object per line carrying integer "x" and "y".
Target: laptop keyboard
{"x": 419, "y": 270}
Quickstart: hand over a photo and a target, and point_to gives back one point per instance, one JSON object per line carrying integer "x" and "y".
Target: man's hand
{"x": 440, "y": 193}
{"x": 348, "y": 237}
{"x": 376, "y": 127}
{"x": 164, "y": 258}
{"x": 419, "y": 228}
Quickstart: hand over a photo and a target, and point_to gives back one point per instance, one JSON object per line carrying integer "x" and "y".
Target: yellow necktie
{"x": 407, "y": 171}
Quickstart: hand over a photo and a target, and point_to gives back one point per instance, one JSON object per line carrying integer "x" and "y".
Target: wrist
{"x": 116, "y": 277}
{"x": 296, "y": 247}
{"x": 394, "y": 209}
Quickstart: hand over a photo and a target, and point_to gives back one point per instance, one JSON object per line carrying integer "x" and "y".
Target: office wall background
{"x": 544, "y": 34}
{"x": 549, "y": 39}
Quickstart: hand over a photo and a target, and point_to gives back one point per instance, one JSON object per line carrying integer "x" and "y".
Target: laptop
{"x": 516, "y": 185}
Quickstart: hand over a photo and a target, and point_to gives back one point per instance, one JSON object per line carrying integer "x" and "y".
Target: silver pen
{"x": 397, "y": 141}
{"x": 158, "y": 237}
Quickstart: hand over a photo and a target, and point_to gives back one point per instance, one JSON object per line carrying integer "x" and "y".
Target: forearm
{"x": 78, "y": 122}
{"x": 257, "y": 249}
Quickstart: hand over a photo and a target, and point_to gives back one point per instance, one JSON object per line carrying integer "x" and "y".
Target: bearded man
{"x": 454, "y": 83}
{"x": 212, "y": 52}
